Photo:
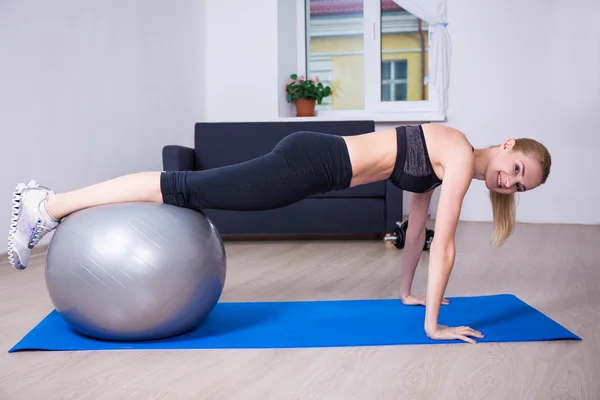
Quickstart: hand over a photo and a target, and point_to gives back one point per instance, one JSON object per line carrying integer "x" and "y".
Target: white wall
{"x": 531, "y": 69}
{"x": 241, "y": 60}
{"x": 518, "y": 69}
{"x": 93, "y": 89}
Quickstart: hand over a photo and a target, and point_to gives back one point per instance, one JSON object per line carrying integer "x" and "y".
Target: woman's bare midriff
{"x": 373, "y": 156}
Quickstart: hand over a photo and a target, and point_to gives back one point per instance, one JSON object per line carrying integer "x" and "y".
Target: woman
{"x": 415, "y": 158}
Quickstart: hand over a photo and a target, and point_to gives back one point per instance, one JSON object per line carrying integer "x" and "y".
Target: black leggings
{"x": 301, "y": 165}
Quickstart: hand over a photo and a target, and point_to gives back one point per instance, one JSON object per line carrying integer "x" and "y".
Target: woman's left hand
{"x": 412, "y": 300}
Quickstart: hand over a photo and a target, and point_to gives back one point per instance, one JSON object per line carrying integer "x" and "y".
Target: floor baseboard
{"x": 40, "y": 249}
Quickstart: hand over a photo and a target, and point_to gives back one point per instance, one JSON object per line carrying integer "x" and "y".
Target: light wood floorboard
{"x": 555, "y": 268}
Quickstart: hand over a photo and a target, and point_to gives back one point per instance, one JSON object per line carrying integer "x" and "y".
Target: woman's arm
{"x": 417, "y": 217}
{"x": 415, "y": 239}
{"x": 457, "y": 178}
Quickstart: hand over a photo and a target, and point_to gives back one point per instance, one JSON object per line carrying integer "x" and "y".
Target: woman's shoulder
{"x": 447, "y": 132}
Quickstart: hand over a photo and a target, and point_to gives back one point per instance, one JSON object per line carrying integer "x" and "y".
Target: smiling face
{"x": 513, "y": 170}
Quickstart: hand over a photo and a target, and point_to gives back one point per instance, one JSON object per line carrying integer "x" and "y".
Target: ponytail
{"x": 504, "y": 212}
{"x": 503, "y": 205}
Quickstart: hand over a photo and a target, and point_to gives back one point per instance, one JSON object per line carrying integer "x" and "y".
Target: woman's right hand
{"x": 442, "y": 332}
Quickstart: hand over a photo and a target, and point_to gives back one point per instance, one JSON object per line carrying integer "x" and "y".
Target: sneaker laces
{"x": 39, "y": 231}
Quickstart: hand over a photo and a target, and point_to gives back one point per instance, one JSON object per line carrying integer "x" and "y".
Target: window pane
{"x": 404, "y": 42}
{"x": 400, "y": 70}
{"x": 386, "y": 70}
{"x": 335, "y": 50}
{"x": 386, "y": 92}
{"x": 399, "y": 91}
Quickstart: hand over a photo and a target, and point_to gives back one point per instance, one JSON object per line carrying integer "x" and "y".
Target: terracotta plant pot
{"x": 305, "y": 108}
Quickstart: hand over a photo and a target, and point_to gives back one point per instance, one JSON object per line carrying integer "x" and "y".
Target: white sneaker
{"x": 30, "y": 222}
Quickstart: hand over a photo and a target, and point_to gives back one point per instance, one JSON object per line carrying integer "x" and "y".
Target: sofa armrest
{"x": 393, "y": 206}
{"x": 177, "y": 158}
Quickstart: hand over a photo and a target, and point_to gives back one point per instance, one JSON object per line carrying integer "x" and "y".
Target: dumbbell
{"x": 398, "y": 236}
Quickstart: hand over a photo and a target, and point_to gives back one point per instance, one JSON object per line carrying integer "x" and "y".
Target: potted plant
{"x": 305, "y": 94}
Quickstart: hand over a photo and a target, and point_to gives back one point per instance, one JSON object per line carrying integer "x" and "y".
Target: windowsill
{"x": 376, "y": 116}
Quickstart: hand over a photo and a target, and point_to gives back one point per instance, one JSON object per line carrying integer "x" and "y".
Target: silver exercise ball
{"x": 135, "y": 271}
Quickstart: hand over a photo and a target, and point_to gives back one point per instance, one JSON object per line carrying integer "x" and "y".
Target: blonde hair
{"x": 503, "y": 205}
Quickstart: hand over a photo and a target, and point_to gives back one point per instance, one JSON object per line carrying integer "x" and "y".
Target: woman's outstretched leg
{"x": 143, "y": 186}
{"x": 37, "y": 210}
{"x": 301, "y": 165}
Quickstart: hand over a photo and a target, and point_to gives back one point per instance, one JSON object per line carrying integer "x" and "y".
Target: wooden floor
{"x": 555, "y": 268}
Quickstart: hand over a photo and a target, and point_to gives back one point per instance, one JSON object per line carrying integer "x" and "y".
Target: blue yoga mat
{"x": 501, "y": 318}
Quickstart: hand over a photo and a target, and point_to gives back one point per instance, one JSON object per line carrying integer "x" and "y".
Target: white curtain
{"x": 440, "y": 47}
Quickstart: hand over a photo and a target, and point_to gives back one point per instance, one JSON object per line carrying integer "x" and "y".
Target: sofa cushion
{"x": 225, "y": 143}
{"x": 328, "y": 215}
{"x": 375, "y": 189}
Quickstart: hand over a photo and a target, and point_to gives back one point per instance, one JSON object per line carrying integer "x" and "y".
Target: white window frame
{"x": 375, "y": 108}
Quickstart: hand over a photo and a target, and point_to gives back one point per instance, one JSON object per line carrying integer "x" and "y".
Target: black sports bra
{"x": 413, "y": 171}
